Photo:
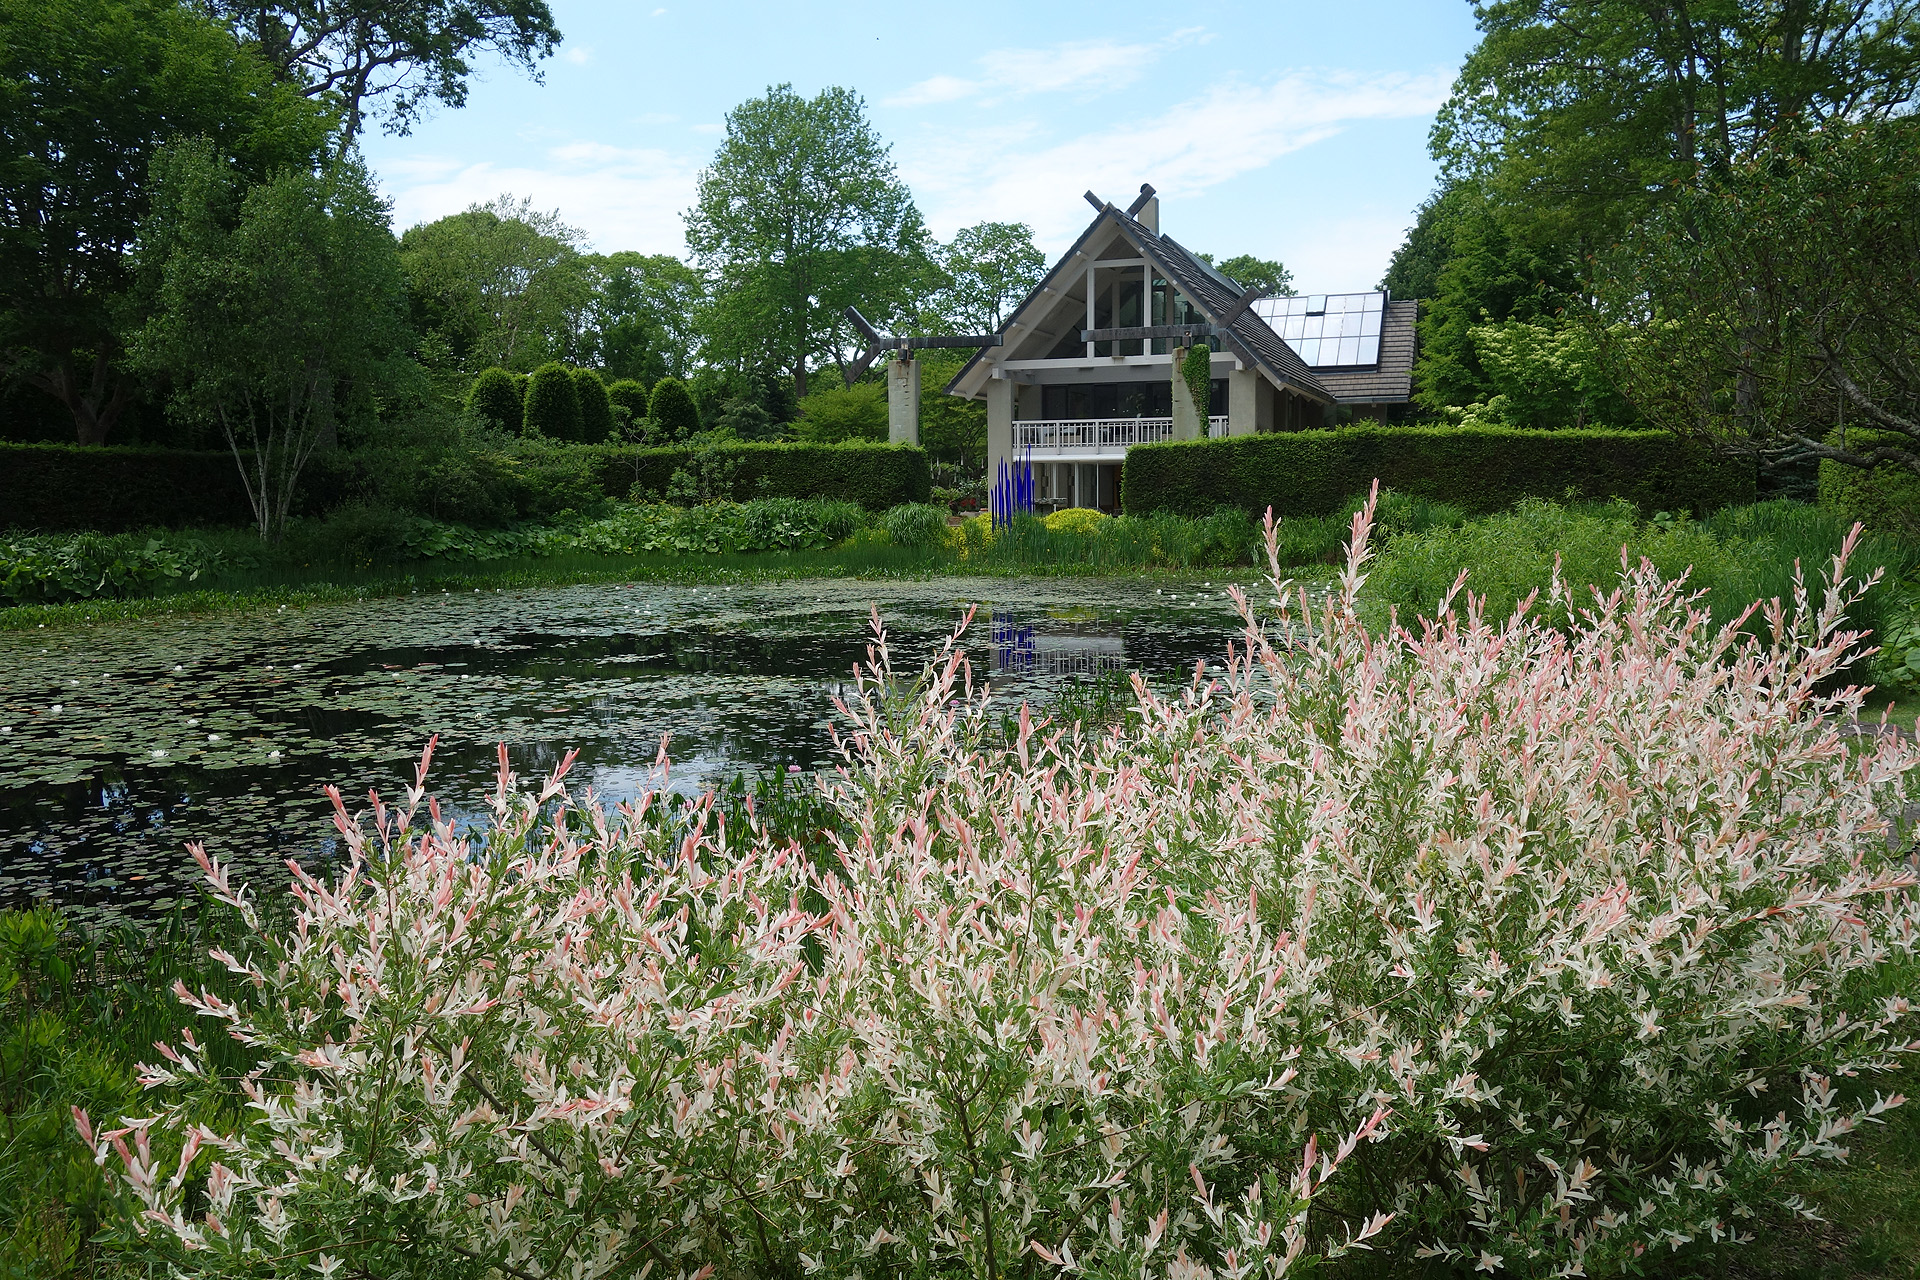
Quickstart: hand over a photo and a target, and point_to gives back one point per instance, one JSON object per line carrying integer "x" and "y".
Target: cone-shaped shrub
{"x": 631, "y": 396}
{"x": 553, "y": 404}
{"x": 498, "y": 396}
{"x": 672, "y": 410}
{"x": 596, "y": 411}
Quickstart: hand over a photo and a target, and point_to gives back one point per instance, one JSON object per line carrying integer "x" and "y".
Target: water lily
{"x": 273, "y": 755}
{"x": 57, "y": 708}
{"x": 213, "y": 737}
{"x": 159, "y": 753}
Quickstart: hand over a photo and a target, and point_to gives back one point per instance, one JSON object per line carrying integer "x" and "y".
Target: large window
{"x": 1152, "y": 399}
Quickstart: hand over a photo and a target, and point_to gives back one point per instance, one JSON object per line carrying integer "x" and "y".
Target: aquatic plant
{"x": 1521, "y": 947}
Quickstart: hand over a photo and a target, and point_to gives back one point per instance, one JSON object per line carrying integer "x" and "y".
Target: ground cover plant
{"x": 1494, "y": 944}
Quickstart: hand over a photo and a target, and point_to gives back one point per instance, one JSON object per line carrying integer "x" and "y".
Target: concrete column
{"x": 903, "y": 400}
{"x": 999, "y": 427}
{"x": 1189, "y": 419}
{"x": 1243, "y": 402}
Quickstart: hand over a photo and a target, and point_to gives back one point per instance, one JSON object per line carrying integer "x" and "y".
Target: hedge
{"x": 876, "y": 476}
{"x": 61, "y": 486}
{"x": 1479, "y": 469}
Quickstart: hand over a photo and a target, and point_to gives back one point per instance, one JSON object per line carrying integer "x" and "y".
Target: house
{"x": 1084, "y": 370}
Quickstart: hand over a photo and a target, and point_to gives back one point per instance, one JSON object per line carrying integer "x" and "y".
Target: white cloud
{"x": 1345, "y": 252}
{"x": 710, "y": 127}
{"x": 579, "y": 55}
{"x": 658, "y": 13}
{"x": 1094, "y": 65}
{"x": 1232, "y": 129}
{"x": 623, "y": 198}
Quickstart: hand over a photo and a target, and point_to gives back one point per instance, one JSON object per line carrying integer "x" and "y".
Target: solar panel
{"x": 1328, "y": 330}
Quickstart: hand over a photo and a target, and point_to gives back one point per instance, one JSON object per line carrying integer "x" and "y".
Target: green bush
{"x": 1478, "y": 469}
{"x": 498, "y": 397}
{"x": 834, "y": 415}
{"x": 916, "y": 524}
{"x": 553, "y": 404}
{"x": 596, "y": 408}
{"x": 630, "y": 397}
{"x": 675, "y": 419}
{"x": 66, "y": 486}
{"x": 876, "y": 476}
{"x": 1886, "y": 498}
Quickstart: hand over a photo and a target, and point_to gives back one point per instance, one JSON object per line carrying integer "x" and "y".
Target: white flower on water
{"x": 213, "y": 737}
{"x": 193, "y": 724}
{"x": 273, "y": 755}
{"x": 57, "y": 708}
{"x": 6, "y": 728}
{"x": 159, "y": 753}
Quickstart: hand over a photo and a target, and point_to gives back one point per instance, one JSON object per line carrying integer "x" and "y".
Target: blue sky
{"x": 1289, "y": 130}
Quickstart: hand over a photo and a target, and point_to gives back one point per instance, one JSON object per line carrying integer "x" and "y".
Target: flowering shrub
{"x": 1517, "y": 947}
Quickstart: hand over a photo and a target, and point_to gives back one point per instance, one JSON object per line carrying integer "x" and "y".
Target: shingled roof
{"x": 1391, "y": 380}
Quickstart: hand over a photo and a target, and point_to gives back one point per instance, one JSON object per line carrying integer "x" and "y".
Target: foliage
{"x": 1542, "y": 375}
{"x": 671, "y": 411}
{"x": 1303, "y": 939}
{"x": 628, "y": 397}
{"x": 800, "y": 215}
{"x": 410, "y": 53}
{"x": 1481, "y": 469}
{"x": 553, "y": 404}
{"x": 1779, "y": 299}
{"x": 1250, "y": 272}
{"x": 596, "y": 409}
{"x": 1582, "y": 117}
{"x": 641, "y": 319}
{"x": 952, "y": 430}
{"x": 1197, "y": 370}
{"x": 833, "y": 415}
{"x": 709, "y": 476}
{"x": 1886, "y": 499}
{"x": 34, "y": 570}
{"x": 915, "y": 524}
{"x": 1075, "y": 520}
{"x": 277, "y": 312}
{"x": 52, "y": 486}
{"x": 1736, "y": 556}
{"x": 985, "y": 272}
{"x": 499, "y": 284}
{"x": 499, "y": 397}
{"x": 89, "y": 91}
{"x": 1414, "y": 270}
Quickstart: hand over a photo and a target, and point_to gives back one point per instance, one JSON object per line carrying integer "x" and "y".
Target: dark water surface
{"x": 122, "y": 743}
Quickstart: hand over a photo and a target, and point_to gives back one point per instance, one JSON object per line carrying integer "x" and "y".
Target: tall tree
{"x": 89, "y": 89}
{"x": 405, "y": 55}
{"x": 800, "y": 215}
{"x": 1581, "y": 112}
{"x": 1775, "y": 310}
{"x": 643, "y": 314}
{"x": 1414, "y": 271}
{"x": 1259, "y": 273}
{"x": 986, "y": 271}
{"x": 500, "y": 284}
{"x": 277, "y": 308}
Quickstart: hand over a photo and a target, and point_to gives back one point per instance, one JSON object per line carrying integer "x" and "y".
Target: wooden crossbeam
{"x": 1240, "y": 306}
{"x": 1149, "y": 331}
{"x": 877, "y": 344}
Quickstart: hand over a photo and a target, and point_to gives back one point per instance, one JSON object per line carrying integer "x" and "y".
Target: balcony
{"x": 1096, "y": 439}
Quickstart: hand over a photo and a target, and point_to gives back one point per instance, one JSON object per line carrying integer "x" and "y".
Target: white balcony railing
{"x": 1084, "y": 437}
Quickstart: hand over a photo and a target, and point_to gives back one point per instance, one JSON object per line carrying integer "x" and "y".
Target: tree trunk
{"x": 97, "y": 406}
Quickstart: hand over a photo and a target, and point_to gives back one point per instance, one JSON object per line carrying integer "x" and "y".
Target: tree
{"x": 553, "y": 404}
{"x": 596, "y": 410}
{"x": 1580, "y": 114}
{"x": 672, "y": 412}
{"x": 987, "y": 271}
{"x": 1258, "y": 273}
{"x": 89, "y": 90}
{"x": 276, "y": 308}
{"x": 499, "y": 397}
{"x": 800, "y": 215}
{"x": 1775, "y": 309}
{"x": 1414, "y": 271}
{"x": 833, "y": 415}
{"x": 641, "y": 320}
{"x": 412, "y": 53}
{"x": 501, "y": 284}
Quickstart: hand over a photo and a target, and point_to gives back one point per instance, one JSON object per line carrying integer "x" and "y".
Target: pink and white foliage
{"x": 1519, "y": 949}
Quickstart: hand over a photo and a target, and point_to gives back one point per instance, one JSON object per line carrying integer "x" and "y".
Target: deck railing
{"x": 1098, "y": 435}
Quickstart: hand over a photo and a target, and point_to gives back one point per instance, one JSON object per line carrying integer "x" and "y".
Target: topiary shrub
{"x": 1076, "y": 520}
{"x": 553, "y": 404}
{"x": 629, "y": 397}
{"x": 674, "y": 416}
{"x": 499, "y": 397}
{"x": 596, "y": 408}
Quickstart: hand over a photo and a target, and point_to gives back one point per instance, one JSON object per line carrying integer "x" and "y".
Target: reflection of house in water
{"x": 1053, "y": 648}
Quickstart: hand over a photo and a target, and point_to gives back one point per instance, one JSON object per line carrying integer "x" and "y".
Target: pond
{"x": 119, "y": 744}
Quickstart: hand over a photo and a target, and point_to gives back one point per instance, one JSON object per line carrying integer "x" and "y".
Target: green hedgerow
{"x": 596, "y": 408}
{"x": 672, "y": 409}
{"x": 499, "y": 397}
{"x": 553, "y": 404}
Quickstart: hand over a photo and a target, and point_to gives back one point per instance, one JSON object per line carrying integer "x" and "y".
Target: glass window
{"x": 1350, "y": 350}
{"x": 1370, "y": 350}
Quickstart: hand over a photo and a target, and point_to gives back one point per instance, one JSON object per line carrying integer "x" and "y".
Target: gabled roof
{"x": 1211, "y": 293}
{"x": 1391, "y": 380}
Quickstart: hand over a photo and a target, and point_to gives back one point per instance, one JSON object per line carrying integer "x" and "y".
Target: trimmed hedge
{"x": 1479, "y": 469}
{"x": 876, "y": 476}
{"x": 553, "y": 404}
{"x": 596, "y": 411}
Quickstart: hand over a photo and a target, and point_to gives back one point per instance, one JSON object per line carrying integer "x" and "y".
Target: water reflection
{"x": 253, "y": 716}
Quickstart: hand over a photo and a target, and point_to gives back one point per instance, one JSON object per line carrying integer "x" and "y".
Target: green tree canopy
{"x": 277, "y": 309}
{"x": 89, "y": 90}
{"x": 800, "y": 215}
{"x": 643, "y": 314}
{"x": 833, "y": 415}
{"x": 1580, "y": 113}
{"x": 985, "y": 272}
{"x": 406, "y": 54}
{"x": 672, "y": 412}
{"x": 1414, "y": 271}
{"x": 500, "y": 284}
{"x": 1258, "y": 273}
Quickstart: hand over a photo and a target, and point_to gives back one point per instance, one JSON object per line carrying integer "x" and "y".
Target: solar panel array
{"x": 1328, "y": 330}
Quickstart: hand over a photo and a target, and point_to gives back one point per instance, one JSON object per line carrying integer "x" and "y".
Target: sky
{"x": 1292, "y": 131}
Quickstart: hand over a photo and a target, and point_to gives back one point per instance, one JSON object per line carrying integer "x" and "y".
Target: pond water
{"x": 122, "y": 743}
